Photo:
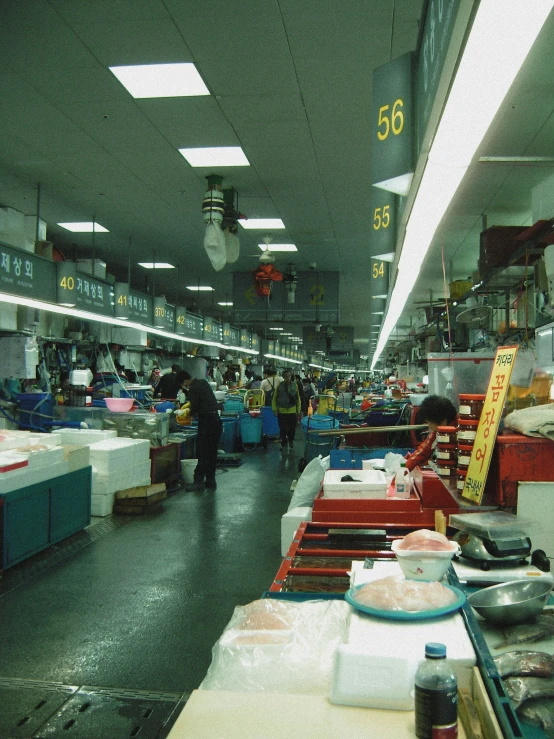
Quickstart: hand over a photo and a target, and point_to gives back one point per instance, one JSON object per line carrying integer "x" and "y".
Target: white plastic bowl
{"x": 119, "y": 405}
{"x": 424, "y": 565}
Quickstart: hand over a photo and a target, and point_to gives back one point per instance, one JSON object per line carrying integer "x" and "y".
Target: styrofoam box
{"x": 366, "y": 484}
{"x": 83, "y": 436}
{"x": 15, "y": 439}
{"x": 118, "y": 454}
{"x": 290, "y": 522}
{"x": 42, "y": 457}
{"x": 76, "y": 457}
{"x": 26, "y": 476}
{"x": 132, "y": 477}
{"x": 102, "y": 505}
{"x": 371, "y": 636}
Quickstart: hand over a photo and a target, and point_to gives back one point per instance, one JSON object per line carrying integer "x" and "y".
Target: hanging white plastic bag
{"x": 214, "y": 244}
{"x": 232, "y": 246}
{"x": 392, "y": 463}
{"x": 309, "y": 483}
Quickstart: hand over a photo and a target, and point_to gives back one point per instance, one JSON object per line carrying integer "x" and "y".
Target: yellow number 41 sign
{"x": 488, "y": 423}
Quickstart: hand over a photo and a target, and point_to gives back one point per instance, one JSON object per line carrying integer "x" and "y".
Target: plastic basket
{"x": 233, "y": 405}
{"x": 251, "y": 429}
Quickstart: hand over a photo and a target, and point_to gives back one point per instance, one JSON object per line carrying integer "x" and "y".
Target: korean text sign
{"x": 488, "y": 424}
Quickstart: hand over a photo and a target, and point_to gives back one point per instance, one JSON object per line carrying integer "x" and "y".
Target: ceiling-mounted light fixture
{"x": 213, "y": 207}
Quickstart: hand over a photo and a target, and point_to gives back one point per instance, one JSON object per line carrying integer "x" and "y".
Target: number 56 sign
{"x": 488, "y": 424}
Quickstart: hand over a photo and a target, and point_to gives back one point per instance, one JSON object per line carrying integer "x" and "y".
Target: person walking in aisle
{"x": 270, "y": 383}
{"x": 286, "y": 405}
{"x": 203, "y": 404}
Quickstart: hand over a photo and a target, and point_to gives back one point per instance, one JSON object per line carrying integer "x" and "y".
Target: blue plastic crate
{"x": 352, "y": 458}
{"x": 233, "y": 405}
{"x": 36, "y": 410}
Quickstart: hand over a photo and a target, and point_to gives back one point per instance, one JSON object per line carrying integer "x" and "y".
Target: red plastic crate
{"x": 517, "y": 458}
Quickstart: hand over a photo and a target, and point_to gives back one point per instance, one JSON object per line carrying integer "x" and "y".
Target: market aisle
{"x": 137, "y": 604}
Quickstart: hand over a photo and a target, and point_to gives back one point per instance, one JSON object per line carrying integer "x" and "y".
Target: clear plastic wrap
{"x": 279, "y": 646}
{"x": 394, "y": 593}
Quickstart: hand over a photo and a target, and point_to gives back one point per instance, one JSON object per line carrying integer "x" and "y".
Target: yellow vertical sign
{"x": 488, "y": 424}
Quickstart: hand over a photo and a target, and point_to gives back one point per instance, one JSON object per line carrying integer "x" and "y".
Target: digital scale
{"x": 474, "y": 575}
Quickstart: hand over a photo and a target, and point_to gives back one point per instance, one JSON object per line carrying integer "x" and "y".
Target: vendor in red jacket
{"x": 435, "y": 411}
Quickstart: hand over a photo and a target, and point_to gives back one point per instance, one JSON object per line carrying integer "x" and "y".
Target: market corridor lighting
{"x": 224, "y": 303}
{"x": 199, "y": 288}
{"x": 161, "y": 80}
{"x": 262, "y": 223}
{"x": 278, "y": 247}
{"x": 501, "y": 36}
{"x": 216, "y": 156}
{"x": 156, "y": 265}
{"x": 84, "y": 227}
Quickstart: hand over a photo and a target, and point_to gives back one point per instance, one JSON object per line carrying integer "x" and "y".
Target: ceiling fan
{"x": 266, "y": 256}
{"x": 474, "y": 314}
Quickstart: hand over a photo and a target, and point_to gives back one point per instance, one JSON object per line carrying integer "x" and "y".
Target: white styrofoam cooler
{"x": 118, "y": 454}
{"x": 83, "y": 436}
{"x": 363, "y": 672}
{"x": 366, "y": 484}
{"x": 290, "y": 522}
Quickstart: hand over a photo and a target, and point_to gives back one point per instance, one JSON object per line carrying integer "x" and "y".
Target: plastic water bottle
{"x": 436, "y": 696}
{"x": 402, "y": 482}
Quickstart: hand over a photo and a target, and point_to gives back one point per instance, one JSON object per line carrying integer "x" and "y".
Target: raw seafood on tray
{"x": 394, "y": 593}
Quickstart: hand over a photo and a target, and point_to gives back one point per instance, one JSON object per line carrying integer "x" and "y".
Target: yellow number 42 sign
{"x": 488, "y": 423}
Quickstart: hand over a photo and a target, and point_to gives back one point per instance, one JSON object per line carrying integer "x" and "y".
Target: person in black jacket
{"x": 203, "y": 404}
{"x": 168, "y": 386}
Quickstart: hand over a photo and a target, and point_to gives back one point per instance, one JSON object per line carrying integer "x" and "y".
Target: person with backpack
{"x": 286, "y": 405}
{"x": 270, "y": 383}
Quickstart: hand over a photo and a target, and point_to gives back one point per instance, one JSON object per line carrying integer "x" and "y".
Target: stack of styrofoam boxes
{"x": 44, "y": 456}
{"x": 82, "y": 437}
{"x": 290, "y": 522}
{"x": 117, "y": 464}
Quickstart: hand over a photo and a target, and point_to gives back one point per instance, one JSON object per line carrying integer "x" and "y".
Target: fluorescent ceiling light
{"x": 199, "y": 288}
{"x": 161, "y": 80}
{"x": 378, "y": 312}
{"x": 276, "y": 328}
{"x": 84, "y": 227}
{"x": 500, "y": 38}
{"x": 216, "y": 156}
{"x": 262, "y": 223}
{"x": 278, "y": 247}
{"x": 224, "y": 303}
{"x": 156, "y": 265}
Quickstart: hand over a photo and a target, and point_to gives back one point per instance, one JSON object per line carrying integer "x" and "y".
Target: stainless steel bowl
{"x": 512, "y": 602}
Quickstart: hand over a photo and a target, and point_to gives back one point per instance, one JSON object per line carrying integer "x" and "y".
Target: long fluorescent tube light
{"x": 278, "y": 247}
{"x": 161, "y": 80}
{"x": 225, "y": 303}
{"x": 216, "y": 156}
{"x": 283, "y": 359}
{"x": 156, "y": 265}
{"x": 500, "y": 38}
{"x": 67, "y": 310}
{"x": 262, "y": 223}
{"x": 276, "y": 328}
{"x": 199, "y": 288}
{"x": 84, "y": 227}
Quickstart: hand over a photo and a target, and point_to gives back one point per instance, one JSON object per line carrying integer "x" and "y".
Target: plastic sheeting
{"x": 279, "y": 646}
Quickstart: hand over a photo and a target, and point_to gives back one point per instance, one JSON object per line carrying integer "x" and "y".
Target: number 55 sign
{"x": 392, "y": 164}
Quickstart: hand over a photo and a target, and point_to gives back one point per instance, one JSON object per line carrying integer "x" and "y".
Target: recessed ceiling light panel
{"x": 199, "y": 288}
{"x": 84, "y": 227}
{"x": 161, "y": 80}
{"x": 156, "y": 265}
{"x": 216, "y": 156}
{"x": 266, "y": 224}
{"x": 278, "y": 247}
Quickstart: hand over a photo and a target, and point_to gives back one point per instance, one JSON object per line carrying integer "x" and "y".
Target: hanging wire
{"x": 445, "y": 298}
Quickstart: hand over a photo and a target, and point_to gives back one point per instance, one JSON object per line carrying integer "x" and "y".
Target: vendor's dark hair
{"x": 436, "y": 409}
{"x": 183, "y": 375}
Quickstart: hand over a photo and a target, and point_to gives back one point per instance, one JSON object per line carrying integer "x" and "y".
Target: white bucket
{"x": 187, "y": 469}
